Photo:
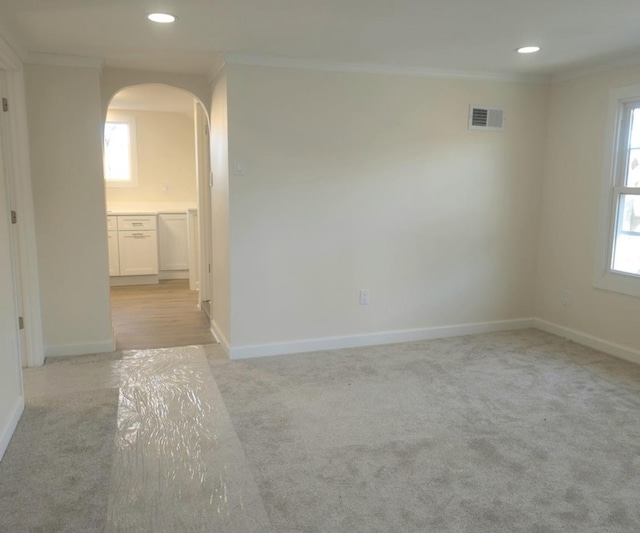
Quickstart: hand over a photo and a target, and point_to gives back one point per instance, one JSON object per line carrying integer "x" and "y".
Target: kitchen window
{"x": 120, "y": 161}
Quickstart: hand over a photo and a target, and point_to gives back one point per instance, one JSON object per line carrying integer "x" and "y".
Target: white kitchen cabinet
{"x": 114, "y": 255}
{"x": 138, "y": 252}
{"x": 133, "y": 245}
{"x": 173, "y": 242}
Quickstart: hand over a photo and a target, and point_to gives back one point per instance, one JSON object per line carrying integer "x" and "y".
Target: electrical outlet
{"x": 364, "y": 296}
{"x": 565, "y": 298}
{"x": 164, "y": 188}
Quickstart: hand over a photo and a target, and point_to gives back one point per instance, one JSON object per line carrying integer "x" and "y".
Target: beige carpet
{"x": 518, "y": 431}
{"x": 55, "y": 474}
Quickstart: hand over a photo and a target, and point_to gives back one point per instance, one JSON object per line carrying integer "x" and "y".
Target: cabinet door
{"x": 172, "y": 236}
{"x": 114, "y": 256}
{"x": 138, "y": 253}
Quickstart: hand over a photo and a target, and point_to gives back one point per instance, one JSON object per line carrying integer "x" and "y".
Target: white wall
{"x": 573, "y": 177}
{"x": 65, "y": 129}
{"x": 114, "y": 79}
{"x": 370, "y": 181}
{"x": 221, "y": 262}
{"x": 166, "y": 159}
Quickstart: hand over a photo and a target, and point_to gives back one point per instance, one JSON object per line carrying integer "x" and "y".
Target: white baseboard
{"x": 173, "y": 274}
{"x": 612, "y": 348}
{"x": 217, "y": 333}
{"x": 372, "y": 339}
{"x": 7, "y": 431}
{"x": 125, "y": 281}
{"x": 60, "y": 350}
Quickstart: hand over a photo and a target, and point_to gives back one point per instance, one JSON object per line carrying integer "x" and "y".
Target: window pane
{"x": 633, "y": 172}
{"x": 626, "y": 252}
{"x": 634, "y": 137}
{"x": 117, "y": 156}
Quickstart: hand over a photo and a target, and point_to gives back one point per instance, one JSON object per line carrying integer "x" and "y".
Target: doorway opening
{"x": 156, "y": 167}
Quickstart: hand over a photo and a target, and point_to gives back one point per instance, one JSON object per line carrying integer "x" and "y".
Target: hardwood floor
{"x": 158, "y": 316}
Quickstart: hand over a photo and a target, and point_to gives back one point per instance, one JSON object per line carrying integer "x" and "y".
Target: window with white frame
{"x": 120, "y": 161}
{"x": 620, "y": 245}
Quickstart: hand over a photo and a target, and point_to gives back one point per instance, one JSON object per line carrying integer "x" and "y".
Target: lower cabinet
{"x": 172, "y": 236}
{"x": 133, "y": 245}
{"x": 138, "y": 253}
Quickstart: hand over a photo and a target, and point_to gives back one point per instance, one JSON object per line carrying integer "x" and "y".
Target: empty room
{"x": 408, "y": 238}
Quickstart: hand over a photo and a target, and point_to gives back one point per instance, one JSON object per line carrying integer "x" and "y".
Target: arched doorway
{"x": 158, "y": 213}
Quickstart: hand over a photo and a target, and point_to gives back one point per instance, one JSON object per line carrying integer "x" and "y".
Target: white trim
{"x": 217, "y": 333}
{"x": 373, "y": 68}
{"x": 598, "y": 68}
{"x": 60, "y": 350}
{"x": 10, "y": 426}
{"x": 61, "y": 60}
{"x": 611, "y": 348}
{"x": 125, "y": 281}
{"x": 603, "y": 277}
{"x": 175, "y": 274}
{"x": 19, "y": 168}
{"x": 374, "y": 339}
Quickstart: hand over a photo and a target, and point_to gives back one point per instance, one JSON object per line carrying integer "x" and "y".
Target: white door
{"x": 10, "y": 367}
{"x": 204, "y": 236}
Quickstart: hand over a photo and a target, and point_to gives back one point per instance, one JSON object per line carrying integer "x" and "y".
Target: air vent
{"x": 486, "y": 118}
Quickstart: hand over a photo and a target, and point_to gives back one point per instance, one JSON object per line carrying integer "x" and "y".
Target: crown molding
{"x": 61, "y": 60}
{"x": 218, "y": 64}
{"x": 12, "y": 49}
{"x": 596, "y": 68}
{"x": 372, "y": 68}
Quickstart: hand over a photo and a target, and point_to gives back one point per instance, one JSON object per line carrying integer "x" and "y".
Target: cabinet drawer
{"x": 136, "y": 222}
{"x": 112, "y": 223}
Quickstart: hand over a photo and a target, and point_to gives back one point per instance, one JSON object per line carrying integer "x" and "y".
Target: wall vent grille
{"x": 486, "y": 118}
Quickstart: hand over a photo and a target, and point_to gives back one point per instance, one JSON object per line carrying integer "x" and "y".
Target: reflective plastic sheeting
{"x": 178, "y": 464}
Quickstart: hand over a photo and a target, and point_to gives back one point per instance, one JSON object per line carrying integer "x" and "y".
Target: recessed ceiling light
{"x": 528, "y": 49}
{"x": 162, "y": 18}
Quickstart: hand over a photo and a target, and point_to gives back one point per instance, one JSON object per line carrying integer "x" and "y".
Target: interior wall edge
{"x": 61, "y": 350}
{"x": 217, "y": 333}
{"x": 375, "y": 339}
{"x": 597, "y": 343}
{"x": 7, "y": 431}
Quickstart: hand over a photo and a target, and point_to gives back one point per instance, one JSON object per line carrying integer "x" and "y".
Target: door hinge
{"x": 14, "y": 217}
{"x": 209, "y": 269}
{"x": 5, "y": 105}
{"x": 20, "y": 322}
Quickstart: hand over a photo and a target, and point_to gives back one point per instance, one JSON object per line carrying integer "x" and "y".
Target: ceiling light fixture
{"x": 528, "y": 49}
{"x": 162, "y": 18}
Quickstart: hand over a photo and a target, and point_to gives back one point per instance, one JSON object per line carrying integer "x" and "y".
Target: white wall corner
{"x": 375, "y": 339}
{"x": 219, "y": 62}
{"x": 61, "y": 350}
{"x": 611, "y": 348}
{"x": 10, "y": 426}
{"x": 217, "y": 333}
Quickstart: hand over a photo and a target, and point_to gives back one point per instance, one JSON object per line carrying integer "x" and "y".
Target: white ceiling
{"x": 442, "y": 35}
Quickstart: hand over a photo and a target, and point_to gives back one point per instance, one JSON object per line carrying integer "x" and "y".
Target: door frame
{"x": 15, "y": 145}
